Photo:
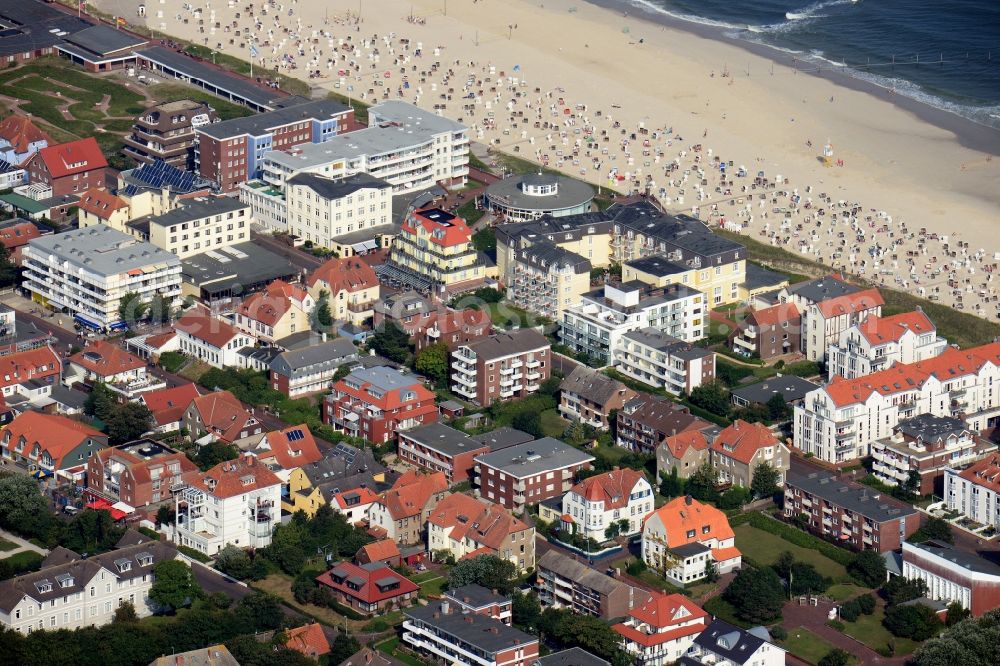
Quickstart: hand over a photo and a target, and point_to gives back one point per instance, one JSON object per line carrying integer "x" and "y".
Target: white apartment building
{"x": 878, "y": 342}
{"x": 664, "y": 361}
{"x": 597, "y": 502}
{"x": 409, "y": 148}
{"x": 839, "y": 421}
{"x": 83, "y": 592}
{"x": 974, "y": 492}
{"x": 211, "y": 339}
{"x": 321, "y": 210}
{"x": 236, "y": 502}
{"x": 596, "y": 325}
{"x": 86, "y": 272}
{"x": 197, "y": 225}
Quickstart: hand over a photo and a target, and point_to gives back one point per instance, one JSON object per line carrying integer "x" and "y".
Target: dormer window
{"x": 43, "y": 586}
{"x": 247, "y": 480}
{"x": 144, "y": 559}
{"x": 123, "y": 565}
{"x": 65, "y": 580}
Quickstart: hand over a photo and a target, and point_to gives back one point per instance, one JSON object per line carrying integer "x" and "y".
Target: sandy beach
{"x": 627, "y": 103}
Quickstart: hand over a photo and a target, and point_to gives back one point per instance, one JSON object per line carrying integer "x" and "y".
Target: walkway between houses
{"x": 814, "y": 618}
{"x": 22, "y": 545}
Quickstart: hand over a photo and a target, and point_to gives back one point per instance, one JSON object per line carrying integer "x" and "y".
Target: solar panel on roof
{"x": 160, "y": 174}
{"x": 295, "y": 435}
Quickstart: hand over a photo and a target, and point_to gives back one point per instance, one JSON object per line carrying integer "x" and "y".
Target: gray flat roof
{"x": 668, "y": 344}
{"x": 262, "y": 123}
{"x": 531, "y": 458}
{"x": 198, "y": 208}
{"x": 790, "y": 386}
{"x": 476, "y": 596}
{"x": 411, "y": 117}
{"x": 367, "y": 141}
{"x": 228, "y": 270}
{"x": 315, "y": 358}
{"x": 657, "y": 265}
{"x": 854, "y": 497}
{"x": 443, "y": 439}
{"x": 481, "y": 631}
{"x": 759, "y": 277}
{"x": 932, "y": 428}
{"x": 822, "y": 289}
{"x": 335, "y": 188}
{"x": 965, "y": 560}
{"x": 103, "y": 39}
{"x": 574, "y": 656}
{"x": 32, "y": 25}
{"x": 570, "y": 194}
{"x": 102, "y": 250}
{"x": 503, "y": 437}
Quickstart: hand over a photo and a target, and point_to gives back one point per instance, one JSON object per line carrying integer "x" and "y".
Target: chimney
{"x": 688, "y": 499}
{"x": 444, "y": 606}
{"x": 178, "y": 660}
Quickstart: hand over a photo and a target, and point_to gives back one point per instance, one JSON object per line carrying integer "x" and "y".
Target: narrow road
{"x": 22, "y": 545}
{"x": 300, "y": 259}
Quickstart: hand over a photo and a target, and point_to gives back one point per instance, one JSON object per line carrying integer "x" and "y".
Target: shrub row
{"x": 194, "y": 554}
{"x": 800, "y": 538}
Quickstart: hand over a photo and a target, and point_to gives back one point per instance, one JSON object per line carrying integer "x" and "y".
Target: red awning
{"x": 104, "y": 505}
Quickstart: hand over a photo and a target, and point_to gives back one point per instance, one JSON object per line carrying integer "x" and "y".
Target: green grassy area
{"x": 807, "y": 646}
{"x": 469, "y": 212}
{"x": 434, "y": 587}
{"x": 764, "y": 548}
{"x": 869, "y": 630}
{"x": 391, "y": 648}
{"x": 424, "y": 576}
{"x": 7, "y": 545}
{"x": 360, "y": 108}
{"x": 553, "y": 425}
{"x": 505, "y": 315}
{"x": 801, "y": 369}
{"x": 844, "y": 591}
{"x": 172, "y": 92}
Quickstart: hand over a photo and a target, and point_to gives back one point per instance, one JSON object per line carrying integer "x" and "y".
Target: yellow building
{"x": 102, "y": 207}
{"x": 437, "y": 245}
{"x": 352, "y": 285}
{"x": 311, "y": 487}
{"x": 280, "y": 310}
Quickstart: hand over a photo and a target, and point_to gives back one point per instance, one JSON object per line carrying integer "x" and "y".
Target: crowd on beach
{"x": 580, "y": 134}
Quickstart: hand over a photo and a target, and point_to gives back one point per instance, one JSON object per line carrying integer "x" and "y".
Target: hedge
{"x": 800, "y": 538}
{"x": 194, "y": 554}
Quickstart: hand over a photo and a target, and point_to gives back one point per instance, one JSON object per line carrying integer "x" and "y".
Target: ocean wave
{"x": 810, "y": 11}
{"x": 691, "y": 18}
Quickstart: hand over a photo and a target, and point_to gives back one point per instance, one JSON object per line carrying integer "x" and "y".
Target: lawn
{"x": 469, "y": 212}
{"x": 424, "y": 576}
{"x": 764, "y": 548}
{"x": 7, "y": 545}
{"x": 434, "y": 587}
{"x": 553, "y": 425}
{"x": 172, "y": 92}
{"x": 869, "y": 630}
{"x": 844, "y": 591}
{"x": 391, "y": 648}
{"x": 806, "y": 645}
{"x": 505, "y": 315}
{"x": 280, "y": 585}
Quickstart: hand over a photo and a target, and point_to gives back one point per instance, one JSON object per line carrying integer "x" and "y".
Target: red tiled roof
{"x": 679, "y": 444}
{"x": 652, "y": 640}
{"x": 140, "y": 467}
{"x": 73, "y": 157}
{"x": 100, "y": 203}
{"x": 850, "y": 303}
{"x": 775, "y": 315}
{"x": 286, "y": 290}
{"x": 292, "y": 447}
{"x": 380, "y": 551}
{"x": 54, "y": 434}
{"x": 309, "y": 640}
{"x": 879, "y": 330}
{"x": 270, "y": 305}
{"x": 679, "y": 518}
{"x": 160, "y": 339}
{"x": 411, "y": 493}
{"x": 479, "y": 521}
{"x": 984, "y": 473}
{"x": 456, "y": 232}
{"x": 17, "y": 235}
{"x": 742, "y": 440}
{"x": 344, "y": 274}
{"x": 21, "y": 132}
{"x": 222, "y": 414}
{"x": 365, "y": 496}
{"x": 106, "y": 360}
{"x": 723, "y": 554}
{"x": 664, "y": 610}
{"x": 613, "y": 488}
{"x": 368, "y": 591}
{"x": 168, "y": 405}
{"x": 200, "y": 324}
{"x": 237, "y": 477}
{"x": 31, "y": 364}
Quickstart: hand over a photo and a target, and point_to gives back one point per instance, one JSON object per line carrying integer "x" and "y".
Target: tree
{"x": 935, "y": 529}
{"x": 160, "y": 311}
{"x": 485, "y": 240}
{"x": 341, "y": 372}
{"x": 211, "y": 454}
{"x": 757, "y": 595}
{"x": 529, "y": 422}
{"x": 972, "y": 641}
{"x": 850, "y": 611}
{"x": 835, "y": 657}
{"x": 711, "y": 571}
{"x": 777, "y": 408}
{"x": 125, "y": 613}
{"x": 101, "y": 402}
{"x": 234, "y": 561}
{"x": 866, "y": 604}
{"x": 956, "y": 613}
{"x": 91, "y": 532}
{"x": 711, "y": 396}
{"x": 806, "y": 580}
{"x": 321, "y": 313}
{"x": 910, "y": 487}
{"x": 526, "y": 610}
{"x": 915, "y": 621}
{"x": 898, "y": 590}
{"x": 165, "y": 515}
{"x": 129, "y": 421}
{"x": 260, "y": 612}
{"x": 765, "y": 480}
{"x": 9, "y": 274}
{"x": 131, "y": 308}
{"x": 23, "y": 509}
{"x": 868, "y": 568}
{"x": 670, "y": 484}
{"x": 343, "y": 646}
{"x": 734, "y": 498}
{"x": 570, "y": 629}
{"x": 702, "y": 484}
{"x": 550, "y": 386}
{"x": 432, "y": 362}
{"x": 489, "y": 571}
{"x": 174, "y": 585}
{"x": 391, "y": 341}
{"x": 615, "y": 529}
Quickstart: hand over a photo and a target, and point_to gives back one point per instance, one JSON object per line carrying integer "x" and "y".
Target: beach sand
{"x": 903, "y": 173}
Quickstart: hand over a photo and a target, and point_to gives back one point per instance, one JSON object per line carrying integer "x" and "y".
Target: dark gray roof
{"x": 198, "y": 208}
{"x": 568, "y": 568}
{"x": 503, "y": 437}
{"x": 690, "y": 549}
{"x": 263, "y": 123}
{"x": 69, "y": 397}
{"x": 441, "y": 438}
{"x": 476, "y": 596}
{"x": 531, "y": 458}
{"x": 759, "y": 277}
{"x": 509, "y": 344}
{"x": 930, "y": 428}
{"x": 257, "y": 265}
{"x": 330, "y": 188}
{"x": 480, "y": 631}
{"x": 103, "y": 39}
{"x": 547, "y": 255}
{"x": 822, "y": 289}
{"x": 32, "y": 25}
{"x": 893, "y": 562}
{"x": 854, "y": 497}
{"x": 657, "y": 266}
{"x": 792, "y": 387}
{"x": 569, "y": 193}
{"x": 668, "y": 344}
{"x": 341, "y": 463}
{"x": 574, "y": 656}
{"x": 728, "y": 642}
{"x": 591, "y": 385}
{"x": 661, "y": 414}
{"x": 316, "y": 358}
{"x": 969, "y": 561}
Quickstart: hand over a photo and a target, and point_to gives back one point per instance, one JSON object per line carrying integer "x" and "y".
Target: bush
{"x": 914, "y": 621}
{"x": 20, "y": 563}
{"x": 836, "y": 624}
{"x": 866, "y": 604}
{"x": 636, "y": 567}
{"x": 850, "y": 611}
{"x": 194, "y": 554}
{"x": 799, "y": 538}
{"x": 779, "y": 633}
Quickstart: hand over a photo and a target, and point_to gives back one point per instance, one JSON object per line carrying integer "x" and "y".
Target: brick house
{"x": 368, "y": 588}
{"x": 69, "y": 168}
{"x": 501, "y": 367}
{"x": 221, "y": 415}
{"x": 401, "y": 512}
{"x": 138, "y": 473}
{"x": 466, "y": 527}
{"x": 769, "y": 332}
{"x": 438, "y": 448}
{"x": 589, "y": 396}
{"x": 443, "y": 630}
{"x": 377, "y": 403}
{"x": 529, "y": 473}
{"x": 646, "y": 421}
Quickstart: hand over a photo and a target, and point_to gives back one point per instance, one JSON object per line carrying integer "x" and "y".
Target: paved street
{"x": 300, "y": 259}
{"x": 22, "y": 545}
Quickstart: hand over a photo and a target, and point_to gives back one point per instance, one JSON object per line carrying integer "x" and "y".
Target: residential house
{"x": 927, "y": 445}
{"x": 401, "y": 512}
{"x": 574, "y": 656}
{"x": 309, "y": 639}
{"x": 501, "y": 367}
{"x": 352, "y": 288}
{"x": 544, "y": 278}
{"x": 562, "y": 582}
{"x": 236, "y": 502}
{"x": 69, "y": 168}
{"x": 529, "y": 473}
{"x": 354, "y": 504}
{"x": 684, "y": 538}
{"x": 368, "y": 589}
{"x": 32, "y": 365}
{"x": 167, "y": 132}
{"x": 974, "y": 492}
{"x": 437, "y": 247}
{"x": 660, "y": 631}
{"x": 465, "y": 527}
{"x": 120, "y": 371}
{"x": 685, "y": 452}
{"x": 792, "y": 389}
{"x": 877, "y": 343}
{"x": 287, "y": 449}
{"x": 954, "y": 576}
{"x": 453, "y": 328}
{"x": 722, "y": 643}
{"x": 768, "y": 333}
{"x": 851, "y": 513}
{"x": 98, "y": 206}
{"x": 210, "y": 339}
{"x": 51, "y": 444}
{"x": 76, "y": 592}
{"x": 138, "y": 473}
{"x": 384, "y": 551}
{"x": 332, "y": 213}
{"x": 379, "y": 402}
{"x": 168, "y": 405}
{"x": 17, "y": 233}
{"x": 221, "y": 416}
{"x": 299, "y": 372}
{"x": 618, "y": 500}
{"x": 644, "y": 422}
{"x": 477, "y": 600}
{"x": 20, "y": 138}
{"x": 590, "y": 396}
{"x": 663, "y": 361}
{"x": 213, "y": 655}
{"x": 446, "y": 633}
{"x": 278, "y": 311}
{"x": 343, "y": 468}
{"x": 438, "y": 448}
{"x": 738, "y": 449}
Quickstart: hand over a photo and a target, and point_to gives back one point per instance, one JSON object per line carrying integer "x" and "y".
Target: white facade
{"x": 218, "y": 357}
{"x": 592, "y": 517}
{"x": 654, "y": 359}
{"x": 379, "y": 516}
{"x": 316, "y": 217}
{"x": 267, "y": 204}
{"x": 978, "y": 498}
{"x": 212, "y": 521}
{"x": 857, "y": 354}
{"x": 703, "y": 652}
{"x": 940, "y": 588}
